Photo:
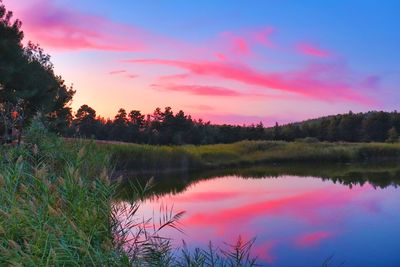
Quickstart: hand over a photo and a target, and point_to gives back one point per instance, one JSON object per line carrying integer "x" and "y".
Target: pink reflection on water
{"x": 205, "y": 196}
{"x": 312, "y": 239}
{"x": 305, "y": 212}
{"x": 264, "y": 251}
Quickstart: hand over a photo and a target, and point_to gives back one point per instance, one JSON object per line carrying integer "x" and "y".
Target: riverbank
{"x": 137, "y": 157}
{"x": 58, "y": 208}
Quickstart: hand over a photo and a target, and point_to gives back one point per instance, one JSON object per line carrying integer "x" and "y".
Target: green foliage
{"x": 372, "y": 126}
{"x": 393, "y": 135}
{"x": 54, "y": 211}
{"x": 28, "y": 83}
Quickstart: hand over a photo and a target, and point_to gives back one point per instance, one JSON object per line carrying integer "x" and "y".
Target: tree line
{"x": 373, "y": 126}
{"x": 160, "y": 127}
{"x": 165, "y": 127}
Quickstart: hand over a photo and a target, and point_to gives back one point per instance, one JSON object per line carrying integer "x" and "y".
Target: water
{"x": 351, "y": 216}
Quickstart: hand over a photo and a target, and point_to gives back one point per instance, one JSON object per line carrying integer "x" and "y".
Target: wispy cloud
{"x": 117, "y": 72}
{"x": 309, "y": 82}
{"x": 67, "y": 29}
{"x": 312, "y": 239}
{"x": 215, "y": 91}
{"x": 198, "y": 90}
{"x": 124, "y": 73}
{"x": 312, "y": 50}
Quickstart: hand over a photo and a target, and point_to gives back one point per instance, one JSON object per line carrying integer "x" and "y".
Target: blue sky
{"x": 319, "y": 57}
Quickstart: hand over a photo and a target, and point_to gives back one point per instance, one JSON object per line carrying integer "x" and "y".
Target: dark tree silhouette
{"x": 28, "y": 84}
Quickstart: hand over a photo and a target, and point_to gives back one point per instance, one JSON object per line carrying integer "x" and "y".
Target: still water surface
{"x": 297, "y": 220}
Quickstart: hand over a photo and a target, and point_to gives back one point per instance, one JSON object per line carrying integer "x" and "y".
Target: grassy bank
{"x": 55, "y": 206}
{"x": 162, "y": 158}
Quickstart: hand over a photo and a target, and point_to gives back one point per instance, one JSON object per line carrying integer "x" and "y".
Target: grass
{"x": 55, "y": 207}
{"x": 171, "y": 158}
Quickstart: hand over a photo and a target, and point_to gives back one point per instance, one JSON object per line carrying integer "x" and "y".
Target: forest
{"x": 165, "y": 127}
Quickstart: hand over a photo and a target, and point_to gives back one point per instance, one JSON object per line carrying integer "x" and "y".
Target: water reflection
{"x": 353, "y": 212}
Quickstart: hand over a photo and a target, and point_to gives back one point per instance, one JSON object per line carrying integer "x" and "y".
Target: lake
{"x": 300, "y": 215}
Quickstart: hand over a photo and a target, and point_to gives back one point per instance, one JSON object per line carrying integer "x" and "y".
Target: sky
{"x": 227, "y": 61}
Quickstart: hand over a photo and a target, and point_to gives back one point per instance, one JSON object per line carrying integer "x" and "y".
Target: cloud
{"x": 67, "y": 29}
{"x": 215, "y": 91}
{"x": 124, "y": 73}
{"x": 311, "y": 82}
{"x": 238, "y": 45}
{"x": 199, "y": 90}
{"x": 311, "y": 50}
{"x": 174, "y": 77}
{"x": 263, "y": 36}
{"x": 201, "y": 107}
{"x": 132, "y": 76}
{"x": 241, "y": 43}
{"x": 117, "y": 72}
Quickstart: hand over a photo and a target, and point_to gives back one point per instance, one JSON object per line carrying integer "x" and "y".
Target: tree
{"x": 376, "y": 126}
{"x": 136, "y": 118}
{"x": 277, "y": 132}
{"x": 120, "y": 126}
{"x": 27, "y": 79}
{"x": 393, "y": 135}
{"x": 85, "y": 121}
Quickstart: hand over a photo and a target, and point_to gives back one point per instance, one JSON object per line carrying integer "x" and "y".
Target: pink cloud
{"x": 117, "y": 72}
{"x": 220, "y": 56}
{"x": 204, "y": 90}
{"x": 263, "y": 36}
{"x": 66, "y": 29}
{"x": 312, "y": 50}
{"x": 201, "y": 107}
{"x": 199, "y": 90}
{"x": 240, "y": 46}
{"x": 310, "y": 82}
{"x": 312, "y": 239}
{"x": 132, "y": 76}
{"x": 175, "y": 77}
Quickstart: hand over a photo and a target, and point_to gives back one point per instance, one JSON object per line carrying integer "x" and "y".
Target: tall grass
{"x": 55, "y": 206}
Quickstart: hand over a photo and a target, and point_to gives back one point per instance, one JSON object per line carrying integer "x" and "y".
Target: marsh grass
{"x": 189, "y": 157}
{"x": 55, "y": 207}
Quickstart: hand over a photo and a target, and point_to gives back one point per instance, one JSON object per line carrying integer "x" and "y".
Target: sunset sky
{"x": 225, "y": 61}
